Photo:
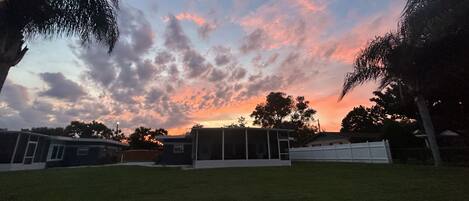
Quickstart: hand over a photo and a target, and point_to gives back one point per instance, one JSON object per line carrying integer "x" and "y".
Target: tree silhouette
{"x": 91, "y": 20}
{"x": 240, "y": 124}
{"x": 93, "y": 129}
{"x": 362, "y": 119}
{"x": 282, "y": 111}
{"x": 145, "y": 138}
{"x": 197, "y": 125}
{"x": 396, "y": 102}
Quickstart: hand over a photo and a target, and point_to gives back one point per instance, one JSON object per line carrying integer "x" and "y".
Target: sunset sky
{"x": 178, "y": 63}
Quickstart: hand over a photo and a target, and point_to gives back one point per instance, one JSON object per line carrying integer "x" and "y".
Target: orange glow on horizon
{"x": 329, "y": 111}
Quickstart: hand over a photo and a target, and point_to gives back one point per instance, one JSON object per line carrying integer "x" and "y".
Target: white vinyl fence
{"x": 368, "y": 152}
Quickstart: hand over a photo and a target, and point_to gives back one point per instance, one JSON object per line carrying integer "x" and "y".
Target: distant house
{"x": 325, "y": 139}
{"x": 331, "y": 138}
{"x": 26, "y": 150}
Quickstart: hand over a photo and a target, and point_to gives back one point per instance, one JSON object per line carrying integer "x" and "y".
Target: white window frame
{"x": 178, "y": 148}
{"x": 51, "y": 152}
{"x": 83, "y": 149}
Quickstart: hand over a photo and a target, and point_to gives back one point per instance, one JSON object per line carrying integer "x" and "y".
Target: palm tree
{"x": 390, "y": 59}
{"x": 90, "y": 20}
{"x": 428, "y": 54}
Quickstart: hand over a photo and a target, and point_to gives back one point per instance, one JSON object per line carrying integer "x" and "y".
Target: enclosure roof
{"x": 21, "y": 132}
{"x": 68, "y": 139}
{"x": 170, "y": 137}
{"x": 248, "y": 128}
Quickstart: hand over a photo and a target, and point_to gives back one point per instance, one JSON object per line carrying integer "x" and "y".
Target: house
{"x": 26, "y": 150}
{"x": 177, "y": 150}
{"x": 332, "y": 138}
{"x": 325, "y": 139}
{"x": 239, "y": 147}
{"x": 363, "y": 137}
{"x": 83, "y": 151}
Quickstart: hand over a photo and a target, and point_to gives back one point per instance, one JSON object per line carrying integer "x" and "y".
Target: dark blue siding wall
{"x": 97, "y": 154}
{"x": 72, "y": 159}
{"x": 170, "y": 158}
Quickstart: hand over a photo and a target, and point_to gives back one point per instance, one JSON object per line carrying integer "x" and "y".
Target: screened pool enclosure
{"x": 240, "y": 147}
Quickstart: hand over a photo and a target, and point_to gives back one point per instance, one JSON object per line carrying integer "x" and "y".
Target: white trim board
{"x": 240, "y": 163}
{"x": 20, "y": 166}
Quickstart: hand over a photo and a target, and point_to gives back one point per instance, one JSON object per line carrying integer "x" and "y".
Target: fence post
{"x": 388, "y": 150}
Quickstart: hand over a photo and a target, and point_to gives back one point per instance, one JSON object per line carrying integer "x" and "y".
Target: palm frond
{"x": 372, "y": 63}
{"x": 87, "y": 19}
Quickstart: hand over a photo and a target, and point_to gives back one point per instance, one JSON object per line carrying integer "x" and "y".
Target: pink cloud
{"x": 310, "y": 6}
{"x": 191, "y": 17}
{"x": 346, "y": 47}
{"x": 287, "y": 24}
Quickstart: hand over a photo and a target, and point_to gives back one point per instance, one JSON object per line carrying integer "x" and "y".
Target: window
{"x": 82, "y": 151}
{"x": 61, "y": 152}
{"x": 57, "y": 152}
{"x": 54, "y": 152}
{"x": 178, "y": 148}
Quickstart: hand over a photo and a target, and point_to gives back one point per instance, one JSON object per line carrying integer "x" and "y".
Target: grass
{"x": 302, "y": 181}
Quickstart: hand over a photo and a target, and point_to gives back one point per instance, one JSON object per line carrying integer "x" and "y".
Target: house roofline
{"x": 68, "y": 139}
{"x": 71, "y": 139}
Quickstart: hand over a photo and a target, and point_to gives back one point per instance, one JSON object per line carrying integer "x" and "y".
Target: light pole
{"x": 319, "y": 127}
{"x": 117, "y": 128}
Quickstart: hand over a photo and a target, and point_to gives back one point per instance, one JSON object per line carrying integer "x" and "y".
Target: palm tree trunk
{"x": 429, "y": 130}
{"x": 4, "y": 68}
{"x": 11, "y": 51}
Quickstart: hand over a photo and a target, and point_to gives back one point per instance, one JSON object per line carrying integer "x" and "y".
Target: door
{"x": 284, "y": 145}
{"x": 30, "y": 152}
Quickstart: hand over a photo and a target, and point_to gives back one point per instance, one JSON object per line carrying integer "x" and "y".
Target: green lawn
{"x": 302, "y": 181}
